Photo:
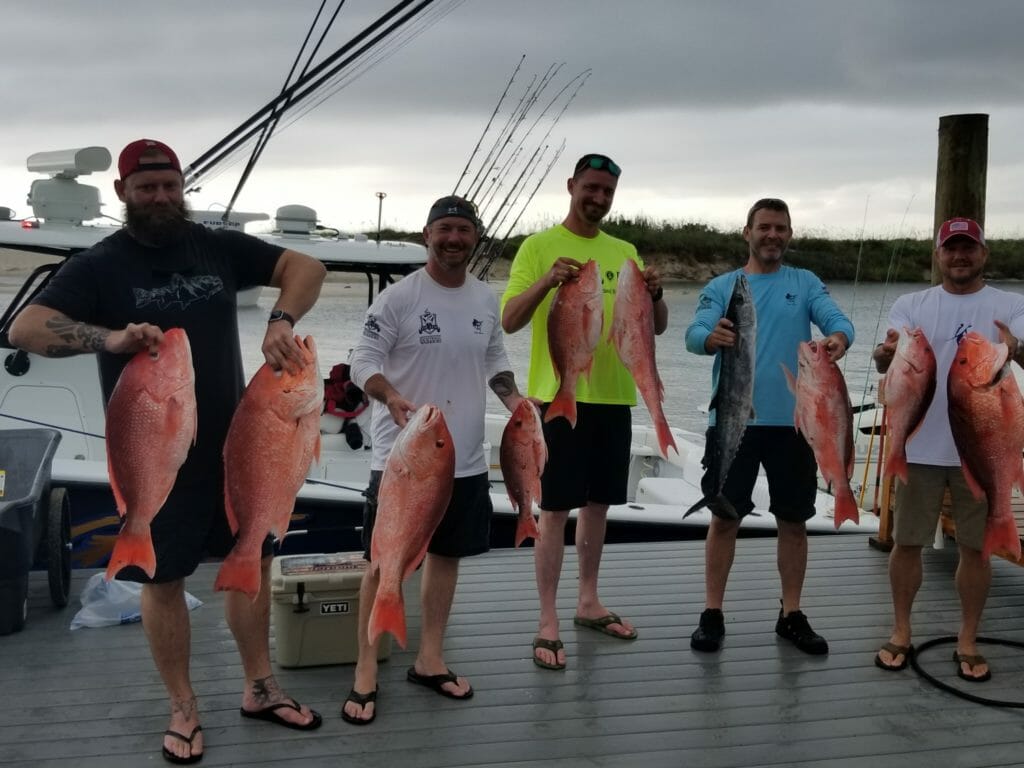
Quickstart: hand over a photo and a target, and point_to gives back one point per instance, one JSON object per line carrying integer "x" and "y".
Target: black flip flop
{"x": 193, "y": 758}
{"x": 972, "y": 660}
{"x": 894, "y": 651}
{"x": 362, "y": 699}
{"x": 549, "y": 645}
{"x": 435, "y": 683}
{"x": 271, "y": 716}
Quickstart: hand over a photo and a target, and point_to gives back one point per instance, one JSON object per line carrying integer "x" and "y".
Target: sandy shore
{"x": 21, "y": 263}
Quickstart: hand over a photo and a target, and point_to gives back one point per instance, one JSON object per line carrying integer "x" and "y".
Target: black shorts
{"x": 589, "y": 463}
{"x": 190, "y": 527}
{"x": 788, "y": 464}
{"x": 465, "y": 529}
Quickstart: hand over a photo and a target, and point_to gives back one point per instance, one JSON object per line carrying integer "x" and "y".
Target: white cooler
{"x": 315, "y": 609}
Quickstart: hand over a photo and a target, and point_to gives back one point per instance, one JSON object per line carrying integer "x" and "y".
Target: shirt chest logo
{"x": 180, "y": 293}
{"x": 430, "y": 331}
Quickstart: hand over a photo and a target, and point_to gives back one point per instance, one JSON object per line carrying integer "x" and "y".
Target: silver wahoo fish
{"x": 733, "y": 401}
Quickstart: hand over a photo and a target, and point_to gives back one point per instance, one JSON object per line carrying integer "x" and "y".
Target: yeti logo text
{"x": 339, "y": 606}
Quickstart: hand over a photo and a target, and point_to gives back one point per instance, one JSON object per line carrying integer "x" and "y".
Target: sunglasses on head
{"x": 598, "y": 163}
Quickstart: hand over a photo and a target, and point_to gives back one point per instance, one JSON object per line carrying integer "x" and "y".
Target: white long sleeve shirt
{"x": 434, "y": 345}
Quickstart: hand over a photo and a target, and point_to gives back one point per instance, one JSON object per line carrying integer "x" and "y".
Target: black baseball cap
{"x": 453, "y": 205}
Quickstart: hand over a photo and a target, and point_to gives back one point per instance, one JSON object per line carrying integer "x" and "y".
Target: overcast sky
{"x": 707, "y": 105}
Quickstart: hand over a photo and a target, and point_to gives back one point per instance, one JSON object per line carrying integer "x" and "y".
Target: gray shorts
{"x": 918, "y": 505}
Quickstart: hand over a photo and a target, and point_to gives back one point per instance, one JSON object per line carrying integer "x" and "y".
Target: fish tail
{"x": 718, "y": 505}
{"x": 665, "y": 438}
{"x": 132, "y": 548}
{"x": 239, "y": 573}
{"x": 388, "y": 615}
{"x": 563, "y": 405}
{"x": 896, "y": 466}
{"x": 526, "y": 528}
{"x": 1001, "y": 536}
{"x": 846, "y": 508}
{"x": 702, "y": 503}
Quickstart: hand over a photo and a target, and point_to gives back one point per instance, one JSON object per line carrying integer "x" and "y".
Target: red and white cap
{"x": 960, "y": 227}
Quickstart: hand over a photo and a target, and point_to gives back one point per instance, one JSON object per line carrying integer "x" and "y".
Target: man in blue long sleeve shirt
{"x": 786, "y": 300}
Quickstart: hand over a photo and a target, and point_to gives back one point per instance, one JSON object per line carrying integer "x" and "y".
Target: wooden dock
{"x": 92, "y": 697}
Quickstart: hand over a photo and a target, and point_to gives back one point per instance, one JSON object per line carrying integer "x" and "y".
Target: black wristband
{"x": 658, "y": 294}
{"x": 280, "y": 314}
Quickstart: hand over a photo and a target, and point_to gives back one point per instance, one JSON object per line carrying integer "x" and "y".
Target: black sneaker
{"x": 708, "y": 635}
{"x": 795, "y": 628}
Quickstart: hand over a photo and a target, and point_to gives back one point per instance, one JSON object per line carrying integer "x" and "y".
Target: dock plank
{"x": 648, "y": 702}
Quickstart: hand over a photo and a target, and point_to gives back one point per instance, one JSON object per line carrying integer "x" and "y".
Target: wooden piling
{"x": 961, "y": 171}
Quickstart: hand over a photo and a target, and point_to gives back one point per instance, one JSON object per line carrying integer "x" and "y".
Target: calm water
{"x": 336, "y": 322}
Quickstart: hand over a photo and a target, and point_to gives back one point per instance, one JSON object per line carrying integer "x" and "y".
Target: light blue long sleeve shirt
{"x": 787, "y": 302}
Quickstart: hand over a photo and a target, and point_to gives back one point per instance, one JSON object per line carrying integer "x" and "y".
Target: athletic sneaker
{"x": 708, "y": 635}
{"x": 795, "y": 628}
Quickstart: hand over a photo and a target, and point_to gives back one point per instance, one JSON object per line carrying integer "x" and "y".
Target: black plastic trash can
{"x": 33, "y": 520}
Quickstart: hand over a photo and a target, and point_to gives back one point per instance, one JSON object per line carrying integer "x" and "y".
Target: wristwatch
{"x": 280, "y": 314}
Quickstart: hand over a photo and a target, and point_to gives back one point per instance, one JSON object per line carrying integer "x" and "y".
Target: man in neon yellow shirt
{"x": 587, "y": 465}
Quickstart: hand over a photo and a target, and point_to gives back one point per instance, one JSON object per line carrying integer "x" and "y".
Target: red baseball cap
{"x": 958, "y": 227}
{"x": 132, "y": 158}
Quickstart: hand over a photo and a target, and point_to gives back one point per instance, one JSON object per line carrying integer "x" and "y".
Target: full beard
{"x": 157, "y": 225}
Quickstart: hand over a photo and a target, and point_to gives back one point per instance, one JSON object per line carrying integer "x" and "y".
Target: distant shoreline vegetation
{"x": 698, "y": 252}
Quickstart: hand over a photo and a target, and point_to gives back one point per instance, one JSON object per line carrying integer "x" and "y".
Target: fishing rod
{"x": 491, "y": 161}
{"x": 500, "y": 178}
{"x": 493, "y": 252}
{"x": 403, "y": 37}
{"x": 278, "y": 112}
{"x": 490, "y": 120}
{"x": 306, "y": 86}
{"x": 581, "y": 77}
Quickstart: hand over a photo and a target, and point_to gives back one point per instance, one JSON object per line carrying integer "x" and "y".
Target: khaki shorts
{"x": 919, "y": 503}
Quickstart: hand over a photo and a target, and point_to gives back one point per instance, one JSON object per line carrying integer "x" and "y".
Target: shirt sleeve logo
{"x": 371, "y": 328}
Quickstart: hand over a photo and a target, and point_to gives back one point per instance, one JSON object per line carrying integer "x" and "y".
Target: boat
{"x": 65, "y": 393}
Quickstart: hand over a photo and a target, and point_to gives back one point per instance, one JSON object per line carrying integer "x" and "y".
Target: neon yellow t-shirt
{"x": 609, "y": 382}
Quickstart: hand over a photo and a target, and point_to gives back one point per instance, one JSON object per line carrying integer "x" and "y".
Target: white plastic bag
{"x": 108, "y": 603}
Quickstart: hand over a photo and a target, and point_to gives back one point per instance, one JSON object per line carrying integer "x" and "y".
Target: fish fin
{"x": 388, "y": 615}
{"x": 563, "y": 405}
{"x": 1001, "y": 536}
{"x": 132, "y": 548}
{"x": 229, "y": 513}
{"x": 972, "y": 484}
{"x": 790, "y": 378}
{"x": 115, "y": 487}
{"x": 240, "y": 573}
{"x": 526, "y": 527}
{"x": 846, "y": 508}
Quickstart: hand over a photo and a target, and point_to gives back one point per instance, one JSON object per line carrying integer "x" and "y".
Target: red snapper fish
{"x": 414, "y": 494}
{"x": 986, "y": 416}
{"x": 824, "y": 417}
{"x": 271, "y": 443}
{"x": 909, "y": 386}
{"x": 574, "y": 330}
{"x": 523, "y": 456}
{"x": 632, "y": 333}
{"x": 151, "y": 424}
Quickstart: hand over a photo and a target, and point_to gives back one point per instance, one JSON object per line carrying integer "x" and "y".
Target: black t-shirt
{"x": 192, "y": 285}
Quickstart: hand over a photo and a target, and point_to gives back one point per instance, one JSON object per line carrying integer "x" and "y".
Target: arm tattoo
{"x": 77, "y": 337}
{"x": 503, "y": 384}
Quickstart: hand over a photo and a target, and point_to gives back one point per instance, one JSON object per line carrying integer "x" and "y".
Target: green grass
{"x": 697, "y": 251}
